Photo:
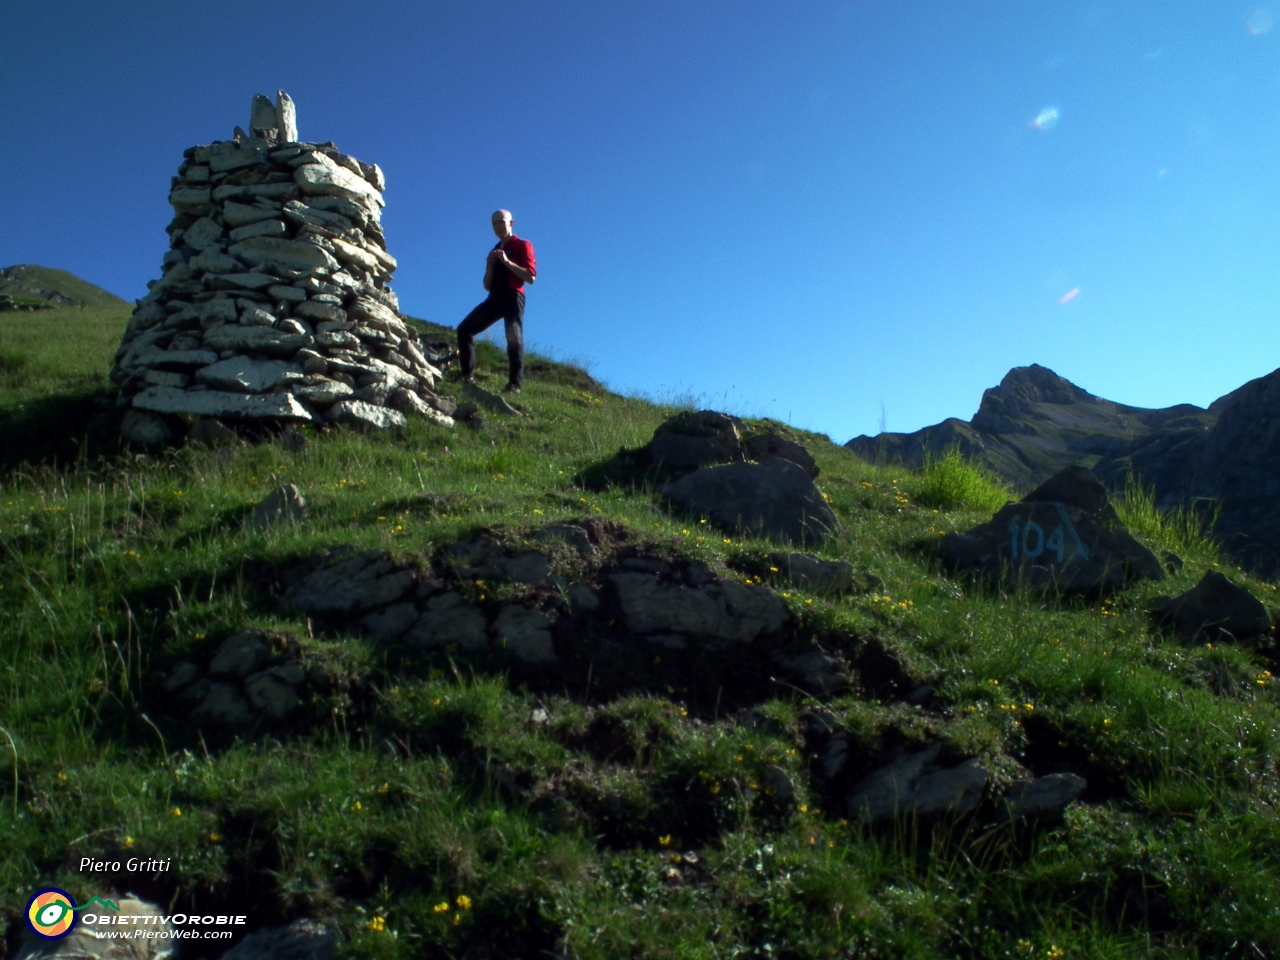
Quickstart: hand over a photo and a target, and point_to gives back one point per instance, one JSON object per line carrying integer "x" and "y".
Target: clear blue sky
{"x": 795, "y": 209}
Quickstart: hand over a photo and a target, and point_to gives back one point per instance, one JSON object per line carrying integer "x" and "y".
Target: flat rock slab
{"x": 323, "y": 177}
{"x": 233, "y": 336}
{"x": 493, "y": 401}
{"x": 773, "y": 499}
{"x": 366, "y": 416}
{"x": 240, "y": 374}
{"x": 216, "y": 403}
{"x": 285, "y": 505}
{"x": 293, "y": 254}
{"x": 1215, "y": 608}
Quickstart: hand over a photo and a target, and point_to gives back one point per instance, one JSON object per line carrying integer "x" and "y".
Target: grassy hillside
{"x": 430, "y": 806}
{"x": 28, "y": 283}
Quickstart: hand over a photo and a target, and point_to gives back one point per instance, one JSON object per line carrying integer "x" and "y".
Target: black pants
{"x": 509, "y": 309}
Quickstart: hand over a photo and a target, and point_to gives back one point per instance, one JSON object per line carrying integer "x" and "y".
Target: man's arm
{"x": 488, "y": 267}
{"x": 525, "y": 274}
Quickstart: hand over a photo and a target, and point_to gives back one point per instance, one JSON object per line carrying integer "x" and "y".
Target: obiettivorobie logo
{"x": 52, "y": 913}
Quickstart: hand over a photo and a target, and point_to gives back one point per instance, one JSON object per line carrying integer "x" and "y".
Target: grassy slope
{"x": 111, "y": 569}
{"x": 29, "y": 283}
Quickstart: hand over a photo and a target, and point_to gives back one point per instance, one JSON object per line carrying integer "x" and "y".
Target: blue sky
{"x": 793, "y": 209}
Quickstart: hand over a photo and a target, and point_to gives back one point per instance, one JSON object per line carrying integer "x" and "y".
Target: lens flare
{"x": 1069, "y": 295}
{"x": 1046, "y": 119}
{"x": 1259, "y": 22}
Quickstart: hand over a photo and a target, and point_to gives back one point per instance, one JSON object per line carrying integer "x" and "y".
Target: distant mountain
{"x": 1036, "y": 422}
{"x": 30, "y": 285}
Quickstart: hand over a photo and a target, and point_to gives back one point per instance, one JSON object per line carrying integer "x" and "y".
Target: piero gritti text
{"x": 132, "y": 865}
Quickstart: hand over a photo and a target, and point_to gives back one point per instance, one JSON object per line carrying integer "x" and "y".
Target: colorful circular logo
{"x": 51, "y": 913}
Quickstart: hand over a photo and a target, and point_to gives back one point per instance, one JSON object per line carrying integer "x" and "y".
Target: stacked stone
{"x": 274, "y": 304}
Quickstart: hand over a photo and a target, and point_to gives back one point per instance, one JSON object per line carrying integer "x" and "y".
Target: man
{"x": 510, "y": 266}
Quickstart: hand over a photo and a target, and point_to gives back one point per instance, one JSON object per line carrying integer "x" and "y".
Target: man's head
{"x": 502, "y": 221}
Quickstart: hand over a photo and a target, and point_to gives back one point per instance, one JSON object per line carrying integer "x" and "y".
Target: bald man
{"x": 510, "y": 266}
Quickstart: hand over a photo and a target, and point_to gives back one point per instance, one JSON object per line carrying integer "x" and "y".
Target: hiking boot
{"x": 511, "y": 388}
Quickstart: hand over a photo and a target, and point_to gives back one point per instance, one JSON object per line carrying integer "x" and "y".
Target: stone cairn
{"x": 274, "y": 305}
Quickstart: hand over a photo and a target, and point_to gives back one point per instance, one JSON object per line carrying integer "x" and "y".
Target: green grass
{"x": 414, "y": 785}
{"x": 953, "y": 480}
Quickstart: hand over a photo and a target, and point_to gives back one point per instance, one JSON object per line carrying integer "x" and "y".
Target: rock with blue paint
{"x": 1064, "y": 537}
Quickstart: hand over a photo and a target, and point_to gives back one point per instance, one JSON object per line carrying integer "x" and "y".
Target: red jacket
{"x": 521, "y": 254}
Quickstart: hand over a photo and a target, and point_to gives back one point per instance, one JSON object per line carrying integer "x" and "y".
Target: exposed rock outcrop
{"x": 1063, "y": 537}
{"x": 1214, "y": 609}
{"x": 773, "y": 499}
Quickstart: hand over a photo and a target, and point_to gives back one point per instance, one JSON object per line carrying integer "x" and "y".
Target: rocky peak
{"x": 1005, "y": 408}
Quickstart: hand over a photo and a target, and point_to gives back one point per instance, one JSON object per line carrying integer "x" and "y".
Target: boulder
{"x": 391, "y": 623}
{"x": 212, "y": 433}
{"x": 240, "y": 374}
{"x": 224, "y": 706}
{"x": 303, "y": 939}
{"x": 285, "y": 505}
{"x": 813, "y": 573}
{"x": 916, "y": 784}
{"x": 145, "y": 429}
{"x": 1072, "y": 545}
{"x": 240, "y": 654}
{"x": 525, "y": 633}
{"x": 271, "y": 692}
{"x": 763, "y": 446}
{"x": 201, "y": 234}
{"x": 1214, "y": 609}
{"x": 366, "y": 416}
{"x": 816, "y": 671}
{"x": 1044, "y": 797}
{"x": 727, "y": 610}
{"x": 696, "y": 439}
{"x": 406, "y": 401}
{"x": 449, "y": 621}
{"x": 773, "y": 499}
